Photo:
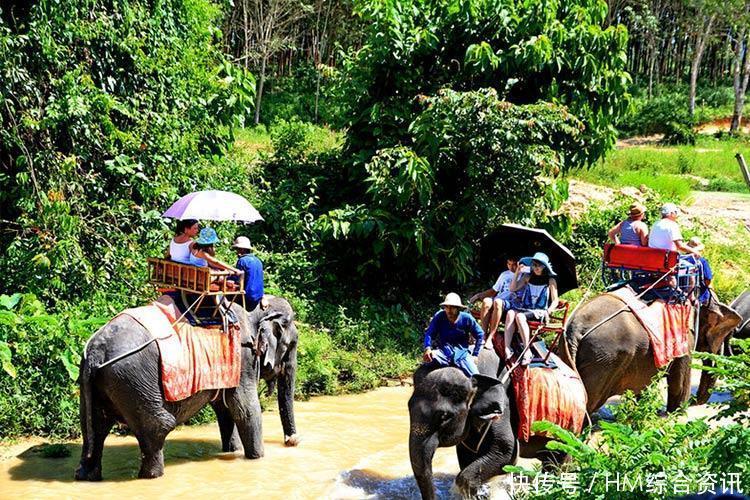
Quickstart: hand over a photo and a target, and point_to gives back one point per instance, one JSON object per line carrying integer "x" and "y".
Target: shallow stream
{"x": 353, "y": 446}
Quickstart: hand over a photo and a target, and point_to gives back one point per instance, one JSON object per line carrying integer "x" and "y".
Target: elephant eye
{"x": 443, "y": 416}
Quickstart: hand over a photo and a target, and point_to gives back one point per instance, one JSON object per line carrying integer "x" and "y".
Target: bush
{"x": 473, "y": 162}
{"x": 644, "y": 455}
{"x": 677, "y": 133}
{"x": 39, "y": 355}
{"x": 545, "y": 51}
{"x": 654, "y": 116}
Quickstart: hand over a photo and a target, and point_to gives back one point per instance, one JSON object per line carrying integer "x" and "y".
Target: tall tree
{"x": 701, "y": 23}
{"x": 740, "y": 69}
{"x": 263, "y": 28}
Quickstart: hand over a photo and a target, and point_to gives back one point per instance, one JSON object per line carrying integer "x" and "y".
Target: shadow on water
{"x": 371, "y": 484}
{"x": 121, "y": 461}
{"x": 717, "y": 396}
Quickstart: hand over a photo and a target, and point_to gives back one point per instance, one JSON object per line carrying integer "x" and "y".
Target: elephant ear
{"x": 718, "y": 321}
{"x": 483, "y": 382}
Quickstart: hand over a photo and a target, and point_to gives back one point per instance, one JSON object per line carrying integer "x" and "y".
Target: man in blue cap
{"x": 449, "y": 331}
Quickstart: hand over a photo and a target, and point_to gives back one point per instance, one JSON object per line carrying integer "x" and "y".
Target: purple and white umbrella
{"x": 213, "y": 205}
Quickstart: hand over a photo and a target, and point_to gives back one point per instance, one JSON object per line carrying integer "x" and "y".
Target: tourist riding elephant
{"x": 130, "y": 389}
{"x": 278, "y": 366}
{"x": 617, "y": 356}
{"x": 449, "y": 409}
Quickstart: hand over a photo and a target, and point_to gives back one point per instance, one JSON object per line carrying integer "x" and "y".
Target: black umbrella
{"x": 522, "y": 241}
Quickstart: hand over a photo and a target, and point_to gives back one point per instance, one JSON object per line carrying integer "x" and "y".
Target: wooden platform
{"x": 203, "y": 280}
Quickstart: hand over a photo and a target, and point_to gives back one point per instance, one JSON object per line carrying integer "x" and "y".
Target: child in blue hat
{"x": 203, "y": 253}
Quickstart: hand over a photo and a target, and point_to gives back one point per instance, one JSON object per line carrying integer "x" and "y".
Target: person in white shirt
{"x": 666, "y": 233}
{"x": 496, "y": 300}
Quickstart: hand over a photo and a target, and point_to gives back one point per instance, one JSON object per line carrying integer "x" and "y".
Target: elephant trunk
{"x": 421, "y": 451}
{"x": 286, "y": 398}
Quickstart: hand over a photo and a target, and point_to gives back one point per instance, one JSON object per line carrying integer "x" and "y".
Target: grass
{"x": 250, "y": 141}
{"x": 710, "y": 165}
{"x": 730, "y": 262}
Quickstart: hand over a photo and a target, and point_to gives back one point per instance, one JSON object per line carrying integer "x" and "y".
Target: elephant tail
{"x": 86, "y": 378}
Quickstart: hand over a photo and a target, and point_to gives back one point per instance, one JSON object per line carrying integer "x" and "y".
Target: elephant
{"x": 449, "y": 409}
{"x": 617, "y": 355}
{"x": 742, "y": 305}
{"x": 129, "y": 390}
{"x": 278, "y": 366}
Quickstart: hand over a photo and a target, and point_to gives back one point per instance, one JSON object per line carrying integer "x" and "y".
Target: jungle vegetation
{"x": 392, "y": 136}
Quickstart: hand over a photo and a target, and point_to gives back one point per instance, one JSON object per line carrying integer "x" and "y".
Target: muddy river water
{"x": 352, "y": 446}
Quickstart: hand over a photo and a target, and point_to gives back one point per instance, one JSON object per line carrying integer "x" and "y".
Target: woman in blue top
{"x": 539, "y": 298}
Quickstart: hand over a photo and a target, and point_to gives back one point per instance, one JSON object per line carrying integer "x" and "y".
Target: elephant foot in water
{"x": 292, "y": 440}
{"x": 85, "y": 474}
{"x": 152, "y": 465}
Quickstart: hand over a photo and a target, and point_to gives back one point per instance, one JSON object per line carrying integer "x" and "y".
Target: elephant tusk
{"x": 492, "y": 416}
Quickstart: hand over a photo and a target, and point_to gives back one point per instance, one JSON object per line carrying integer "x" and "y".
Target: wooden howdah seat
{"x": 169, "y": 276}
{"x": 556, "y": 324}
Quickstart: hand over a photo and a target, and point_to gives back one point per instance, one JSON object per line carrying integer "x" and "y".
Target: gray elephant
{"x": 617, "y": 356}
{"x": 278, "y": 367}
{"x": 449, "y": 409}
{"x": 129, "y": 390}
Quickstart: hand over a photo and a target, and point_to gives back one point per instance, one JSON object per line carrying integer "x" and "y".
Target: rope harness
{"x": 626, "y": 307}
{"x": 481, "y": 440}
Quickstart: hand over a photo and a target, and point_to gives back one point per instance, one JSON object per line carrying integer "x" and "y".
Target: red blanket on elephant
{"x": 193, "y": 359}
{"x": 556, "y": 395}
{"x": 668, "y": 325}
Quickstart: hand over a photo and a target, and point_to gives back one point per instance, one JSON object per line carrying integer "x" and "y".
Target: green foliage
{"x": 528, "y": 52}
{"x": 668, "y": 108}
{"x": 293, "y": 97}
{"x": 40, "y": 356}
{"x": 734, "y": 372}
{"x": 642, "y": 454}
{"x": 654, "y": 116}
{"x": 677, "y": 133}
{"x": 109, "y": 112}
{"x": 474, "y": 162}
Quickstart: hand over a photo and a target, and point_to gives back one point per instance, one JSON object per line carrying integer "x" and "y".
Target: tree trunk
{"x": 700, "y": 46}
{"x": 259, "y": 91}
{"x": 741, "y": 77}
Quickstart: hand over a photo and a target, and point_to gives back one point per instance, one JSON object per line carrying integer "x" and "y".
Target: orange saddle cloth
{"x": 556, "y": 395}
{"x": 193, "y": 359}
{"x": 668, "y": 325}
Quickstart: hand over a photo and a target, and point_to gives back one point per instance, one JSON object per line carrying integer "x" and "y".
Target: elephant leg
{"x": 498, "y": 449}
{"x": 708, "y": 381}
{"x": 90, "y": 467}
{"x": 152, "y": 454}
{"x": 678, "y": 383}
{"x": 244, "y": 407}
{"x": 230, "y": 438}
{"x": 285, "y": 398}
